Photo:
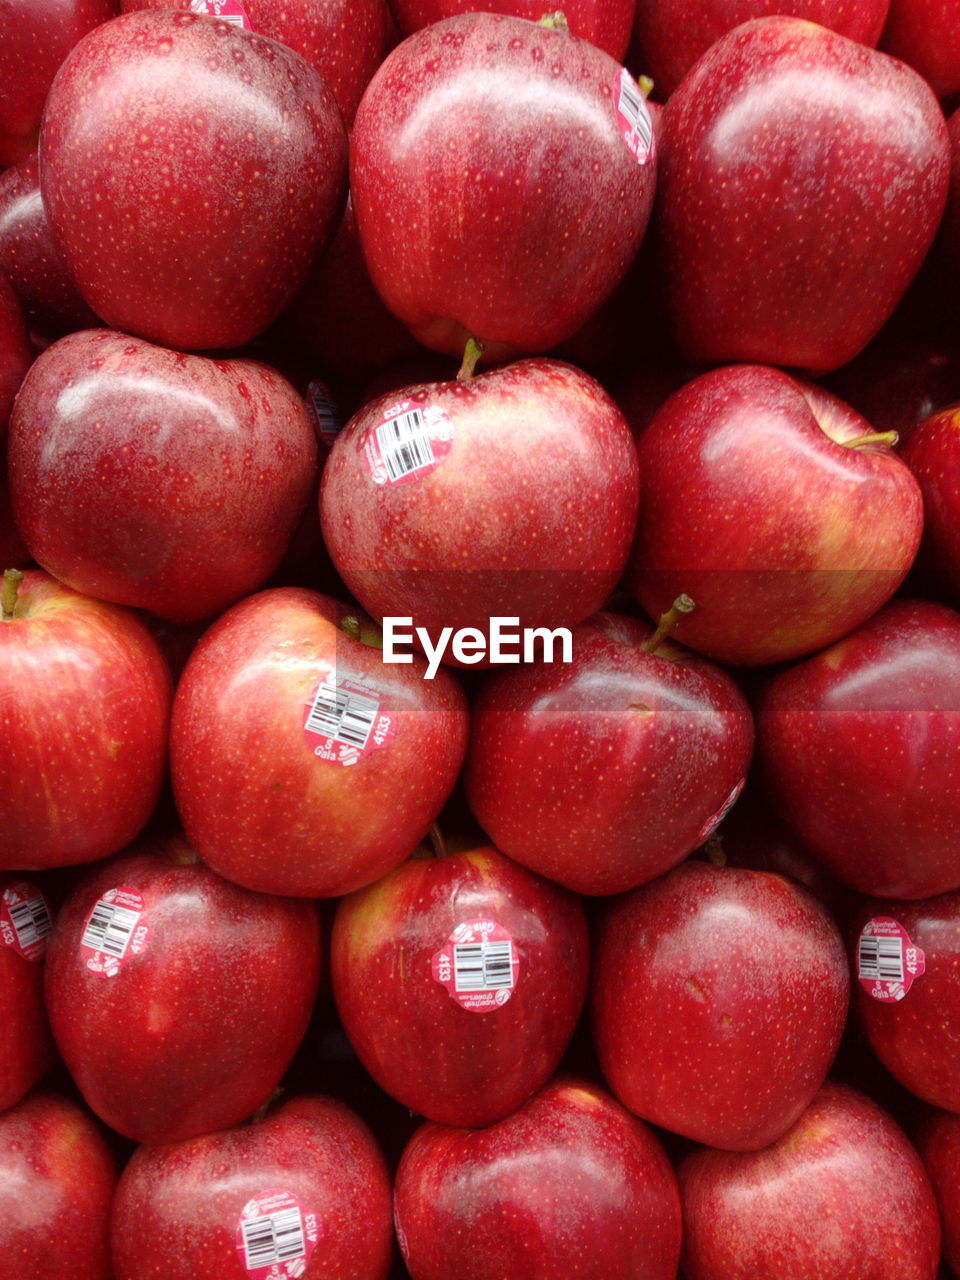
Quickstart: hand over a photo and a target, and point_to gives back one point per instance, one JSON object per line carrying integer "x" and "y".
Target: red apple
{"x": 502, "y": 174}
{"x": 35, "y": 37}
{"x": 605, "y": 23}
{"x": 31, "y": 259}
{"x": 15, "y": 352}
{"x": 933, "y": 454}
{"x": 948, "y": 244}
{"x": 190, "y": 170}
{"x": 301, "y": 763}
{"x": 459, "y": 981}
{"x": 302, "y": 1192}
{"x": 570, "y": 1187}
{"x": 84, "y": 709}
{"x": 510, "y": 494}
{"x": 719, "y": 997}
{"x": 803, "y": 179}
{"x": 841, "y": 1196}
{"x": 859, "y": 745}
{"x": 938, "y": 1142}
{"x": 926, "y": 35}
{"x": 673, "y": 34}
{"x": 906, "y": 956}
{"x": 150, "y": 478}
{"x": 345, "y": 40}
{"x": 26, "y": 1049}
{"x": 832, "y": 516}
{"x": 606, "y": 772}
{"x": 56, "y": 1186}
{"x": 177, "y": 999}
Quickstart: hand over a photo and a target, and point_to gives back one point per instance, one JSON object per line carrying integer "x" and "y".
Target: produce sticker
{"x": 276, "y": 1236}
{"x": 114, "y": 931}
{"x": 408, "y": 443}
{"x": 478, "y": 966}
{"x": 25, "y": 920}
{"x": 346, "y": 720}
{"x": 633, "y": 117}
{"x": 888, "y": 962}
{"x": 228, "y": 10}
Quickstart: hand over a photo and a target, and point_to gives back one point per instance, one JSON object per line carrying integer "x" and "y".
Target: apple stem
{"x": 264, "y": 1107}
{"x": 683, "y": 604}
{"x": 438, "y": 842}
{"x": 874, "y": 437}
{"x": 645, "y": 85}
{"x": 471, "y": 354}
{"x": 8, "y": 593}
{"x": 556, "y": 21}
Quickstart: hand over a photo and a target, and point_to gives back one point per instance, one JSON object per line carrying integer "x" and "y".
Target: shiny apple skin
{"x": 194, "y": 1192}
{"x": 495, "y": 195}
{"x": 173, "y": 1044}
{"x": 605, "y": 23}
{"x": 830, "y": 533}
{"x": 933, "y": 454}
{"x": 570, "y": 1187}
{"x": 300, "y": 825}
{"x": 57, "y": 1179}
{"x": 858, "y": 747}
{"x": 719, "y": 998}
{"x": 454, "y": 1065}
{"x": 529, "y": 515}
{"x": 84, "y": 716}
{"x": 917, "y": 1038}
{"x": 35, "y": 37}
{"x": 345, "y": 40}
{"x": 155, "y": 479}
{"x": 176, "y": 224}
{"x": 673, "y": 34}
{"x": 33, "y": 263}
{"x": 605, "y": 772}
{"x": 846, "y": 149}
{"x": 841, "y": 1196}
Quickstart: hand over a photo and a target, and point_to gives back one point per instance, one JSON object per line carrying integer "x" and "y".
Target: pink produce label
{"x": 888, "y": 963}
{"x": 228, "y": 10}
{"x": 114, "y": 931}
{"x": 711, "y": 824}
{"x": 25, "y": 920}
{"x": 276, "y": 1236}
{"x": 478, "y": 966}
{"x": 323, "y": 412}
{"x": 346, "y": 720}
{"x": 636, "y": 127}
{"x": 409, "y": 442}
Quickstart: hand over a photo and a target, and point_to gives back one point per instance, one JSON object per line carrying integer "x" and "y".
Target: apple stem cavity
{"x": 683, "y": 604}
{"x": 471, "y": 354}
{"x": 556, "y": 21}
{"x": 889, "y": 438}
{"x": 370, "y": 636}
{"x": 8, "y": 594}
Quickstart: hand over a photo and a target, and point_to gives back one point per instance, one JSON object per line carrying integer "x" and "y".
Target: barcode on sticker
{"x": 632, "y": 106}
{"x": 405, "y": 445}
{"x": 325, "y": 416}
{"x": 344, "y": 716}
{"x": 273, "y": 1238}
{"x": 31, "y": 921}
{"x": 110, "y": 928}
{"x": 483, "y": 966}
{"x": 235, "y": 18}
{"x": 881, "y": 958}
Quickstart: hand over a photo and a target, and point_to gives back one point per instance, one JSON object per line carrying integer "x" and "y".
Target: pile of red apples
{"x": 479, "y": 640}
